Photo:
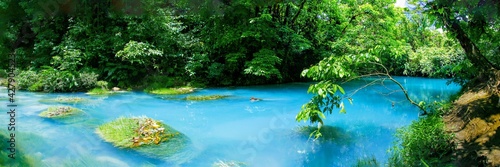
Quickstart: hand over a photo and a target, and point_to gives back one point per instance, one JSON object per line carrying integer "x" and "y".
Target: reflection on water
{"x": 234, "y": 129}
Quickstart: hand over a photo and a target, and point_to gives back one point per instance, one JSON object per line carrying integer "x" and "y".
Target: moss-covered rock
{"x": 65, "y": 100}
{"x": 205, "y": 97}
{"x": 60, "y": 112}
{"x": 145, "y": 135}
{"x": 171, "y": 91}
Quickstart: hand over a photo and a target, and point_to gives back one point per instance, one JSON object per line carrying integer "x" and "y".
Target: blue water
{"x": 262, "y": 133}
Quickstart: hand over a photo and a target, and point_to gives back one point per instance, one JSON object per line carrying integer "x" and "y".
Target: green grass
{"x": 64, "y": 100}
{"x": 367, "y": 162}
{"x": 98, "y": 91}
{"x": 59, "y": 112}
{"x": 423, "y": 142}
{"x": 121, "y": 131}
{"x": 171, "y": 91}
{"x": 205, "y": 97}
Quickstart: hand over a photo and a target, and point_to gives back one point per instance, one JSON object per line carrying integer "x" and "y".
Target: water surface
{"x": 262, "y": 133}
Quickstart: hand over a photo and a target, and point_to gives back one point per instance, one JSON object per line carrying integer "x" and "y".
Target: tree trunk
{"x": 471, "y": 50}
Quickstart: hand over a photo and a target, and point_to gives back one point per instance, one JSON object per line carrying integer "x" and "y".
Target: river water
{"x": 234, "y": 129}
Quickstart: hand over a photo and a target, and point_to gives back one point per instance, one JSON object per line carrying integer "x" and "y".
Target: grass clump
{"x": 170, "y": 91}
{"x": 64, "y": 100}
{"x": 205, "y": 97}
{"x": 59, "y": 112}
{"x": 134, "y": 132}
{"x": 423, "y": 143}
{"x": 145, "y": 135}
{"x": 367, "y": 162}
{"x": 98, "y": 91}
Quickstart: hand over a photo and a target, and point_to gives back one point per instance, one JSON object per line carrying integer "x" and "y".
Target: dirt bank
{"x": 475, "y": 121}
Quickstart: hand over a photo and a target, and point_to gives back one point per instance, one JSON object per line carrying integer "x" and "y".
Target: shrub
{"x": 87, "y": 80}
{"x": 3, "y": 73}
{"x": 102, "y": 84}
{"x": 26, "y": 78}
{"x": 98, "y": 91}
{"x": 423, "y": 143}
{"x": 53, "y": 80}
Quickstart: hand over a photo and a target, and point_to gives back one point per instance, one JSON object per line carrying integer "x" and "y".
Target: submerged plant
{"x": 171, "y": 91}
{"x": 59, "y": 111}
{"x": 64, "y": 100}
{"x": 206, "y": 97}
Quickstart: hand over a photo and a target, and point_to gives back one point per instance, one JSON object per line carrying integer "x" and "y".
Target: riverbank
{"x": 474, "y": 120}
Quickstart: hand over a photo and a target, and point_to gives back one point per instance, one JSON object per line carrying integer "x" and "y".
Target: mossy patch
{"x": 145, "y": 135}
{"x": 170, "y": 91}
{"x": 65, "y": 100}
{"x": 59, "y": 112}
{"x": 205, "y": 97}
{"x": 99, "y": 91}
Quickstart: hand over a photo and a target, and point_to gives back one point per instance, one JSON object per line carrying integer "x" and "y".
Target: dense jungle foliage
{"x": 69, "y": 45}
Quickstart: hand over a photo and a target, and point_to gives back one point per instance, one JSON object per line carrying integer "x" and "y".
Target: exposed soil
{"x": 475, "y": 121}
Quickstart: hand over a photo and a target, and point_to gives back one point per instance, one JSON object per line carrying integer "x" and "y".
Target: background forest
{"x": 70, "y": 45}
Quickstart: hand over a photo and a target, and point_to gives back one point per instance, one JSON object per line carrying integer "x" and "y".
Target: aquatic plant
{"x": 423, "y": 142}
{"x": 145, "y": 135}
{"x": 59, "y": 111}
{"x": 328, "y": 134}
{"x": 171, "y": 91}
{"x": 205, "y": 97}
{"x": 134, "y": 132}
{"x": 21, "y": 158}
{"x": 98, "y": 91}
{"x": 64, "y": 100}
{"x": 367, "y": 162}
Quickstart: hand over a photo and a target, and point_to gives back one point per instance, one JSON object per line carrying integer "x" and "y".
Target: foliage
{"x": 25, "y": 79}
{"x": 162, "y": 81}
{"x": 59, "y": 112}
{"x": 140, "y": 53}
{"x": 367, "y": 162}
{"x": 424, "y": 141}
{"x": 53, "y": 80}
{"x": 205, "y": 97}
{"x": 102, "y": 84}
{"x": 98, "y": 91}
{"x": 473, "y": 24}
